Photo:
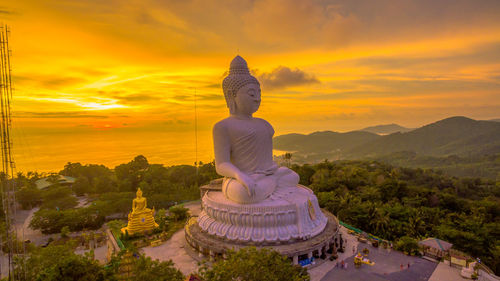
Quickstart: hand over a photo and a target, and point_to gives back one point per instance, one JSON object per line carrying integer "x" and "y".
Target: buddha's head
{"x": 241, "y": 89}
{"x": 139, "y": 193}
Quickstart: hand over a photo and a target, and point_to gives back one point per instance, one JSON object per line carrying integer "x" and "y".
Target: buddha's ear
{"x": 232, "y": 106}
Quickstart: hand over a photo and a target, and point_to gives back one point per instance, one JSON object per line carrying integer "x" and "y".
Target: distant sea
{"x": 51, "y": 151}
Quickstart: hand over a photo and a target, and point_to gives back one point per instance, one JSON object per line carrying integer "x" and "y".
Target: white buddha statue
{"x": 260, "y": 201}
{"x": 243, "y": 144}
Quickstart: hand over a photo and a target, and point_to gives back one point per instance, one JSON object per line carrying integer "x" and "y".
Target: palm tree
{"x": 381, "y": 221}
{"x": 416, "y": 226}
{"x": 288, "y": 159}
{"x": 346, "y": 200}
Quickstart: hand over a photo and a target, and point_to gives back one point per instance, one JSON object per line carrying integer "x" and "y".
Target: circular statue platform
{"x": 213, "y": 247}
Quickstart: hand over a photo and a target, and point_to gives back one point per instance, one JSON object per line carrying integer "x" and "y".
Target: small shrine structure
{"x": 140, "y": 219}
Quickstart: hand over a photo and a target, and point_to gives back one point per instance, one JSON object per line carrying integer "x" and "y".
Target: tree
{"x": 416, "y": 225}
{"x": 288, "y": 159}
{"x": 250, "y": 264}
{"x": 408, "y": 245}
{"x": 64, "y": 231}
{"x": 82, "y": 186}
{"x": 58, "y": 263}
{"x": 29, "y": 197}
{"x": 179, "y": 213}
{"x": 72, "y": 170}
{"x": 147, "y": 269}
{"x": 59, "y": 202}
{"x": 52, "y": 221}
{"x": 130, "y": 175}
{"x": 380, "y": 221}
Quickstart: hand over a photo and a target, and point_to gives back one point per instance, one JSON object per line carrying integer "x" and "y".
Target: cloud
{"x": 283, "y": 77}
{"x": 213, "y": 86}
{"x": 5, "y": 11}
{"x": 258, "y": 26}
{"x": 59, "y": 114}
{"x": 136, "y": 98}
{"x": 480, "y": 54}
{"x": 146, "y": 18}
{"x": 48, "y": 81}
{"x": 293, "y": 24}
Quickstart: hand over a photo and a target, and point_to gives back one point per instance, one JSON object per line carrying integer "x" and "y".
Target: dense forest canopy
{"x": 393, "y": 202}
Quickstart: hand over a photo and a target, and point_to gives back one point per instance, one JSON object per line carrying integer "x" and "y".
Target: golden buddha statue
{"x": 141, "y": 219}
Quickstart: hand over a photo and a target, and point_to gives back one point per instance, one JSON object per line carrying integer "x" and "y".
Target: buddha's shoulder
{"x": 262, "y": 121}
{"x": 224, "y": 123}
{"x": 223, "y": 126}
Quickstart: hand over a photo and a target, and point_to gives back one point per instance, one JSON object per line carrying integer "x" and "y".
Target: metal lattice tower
{"x": 7, "y": 173}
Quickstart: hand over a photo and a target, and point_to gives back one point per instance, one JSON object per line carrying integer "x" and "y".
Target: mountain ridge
{"x": 385, "y": 129}
{"x": 457, "y": 135}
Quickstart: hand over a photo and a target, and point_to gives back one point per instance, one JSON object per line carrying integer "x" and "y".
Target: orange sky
{"x": 103, "y": 81}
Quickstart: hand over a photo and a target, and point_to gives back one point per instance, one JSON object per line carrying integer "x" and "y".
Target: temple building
{"x": 140, "y": 219}
{"x": 257, "y": 203}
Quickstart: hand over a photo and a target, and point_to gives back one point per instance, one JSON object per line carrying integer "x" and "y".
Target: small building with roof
{"x": 61, "y": 180}
{"x": 435, "y": 248}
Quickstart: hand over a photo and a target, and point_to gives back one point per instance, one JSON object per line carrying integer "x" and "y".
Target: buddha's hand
{"x": 248, "y": 183}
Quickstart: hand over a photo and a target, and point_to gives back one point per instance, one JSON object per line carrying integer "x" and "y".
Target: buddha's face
{"x": 247, "y": 99}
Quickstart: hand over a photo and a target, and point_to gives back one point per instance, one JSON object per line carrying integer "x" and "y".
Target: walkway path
{"x": 24, "y": 231}
{"x": 445, "y": 272}
{"x": 320, "y": 271}
{"x": 175, "y": 248}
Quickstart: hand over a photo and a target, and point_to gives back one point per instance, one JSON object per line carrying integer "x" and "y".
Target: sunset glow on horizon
{"x": 103, "y": 81}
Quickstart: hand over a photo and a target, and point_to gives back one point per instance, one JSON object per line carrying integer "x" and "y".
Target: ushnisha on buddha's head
{"x": 241, "y": 89}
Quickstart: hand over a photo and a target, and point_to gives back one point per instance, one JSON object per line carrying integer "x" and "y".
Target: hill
{"x": 452, "y": 136}
{"x": 322, "y": 142}
{"x": 459, "y": 146}
{"x": 386, "y": 129}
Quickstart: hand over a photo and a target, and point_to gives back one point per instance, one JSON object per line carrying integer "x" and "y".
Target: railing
{"x": 357, "y": 230}
{"x": 485, "y": 276}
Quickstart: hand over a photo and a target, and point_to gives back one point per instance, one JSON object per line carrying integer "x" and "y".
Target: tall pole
{"x": 196, "y": 136}
{"x": 7, "y": 188}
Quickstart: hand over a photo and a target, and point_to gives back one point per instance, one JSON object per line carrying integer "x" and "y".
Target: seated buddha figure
{"x": 243, "y": 145}
{"x": 139, "y": 203}
{"x": 140, "y": 219}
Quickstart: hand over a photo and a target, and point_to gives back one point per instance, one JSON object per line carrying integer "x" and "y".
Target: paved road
{"x": 175, "y": 248}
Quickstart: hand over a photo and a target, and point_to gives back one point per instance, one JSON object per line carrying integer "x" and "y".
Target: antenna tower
{"x": 196, "y": 136}
{"x": 7, "y": 173}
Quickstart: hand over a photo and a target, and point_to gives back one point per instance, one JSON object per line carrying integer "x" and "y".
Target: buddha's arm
{"x": 134, "y": 205}
{"x": 223, "y": 165}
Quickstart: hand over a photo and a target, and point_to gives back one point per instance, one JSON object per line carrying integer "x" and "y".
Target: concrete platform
{"x": 213, "y": 247}
{"x": 387, "y": 267}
